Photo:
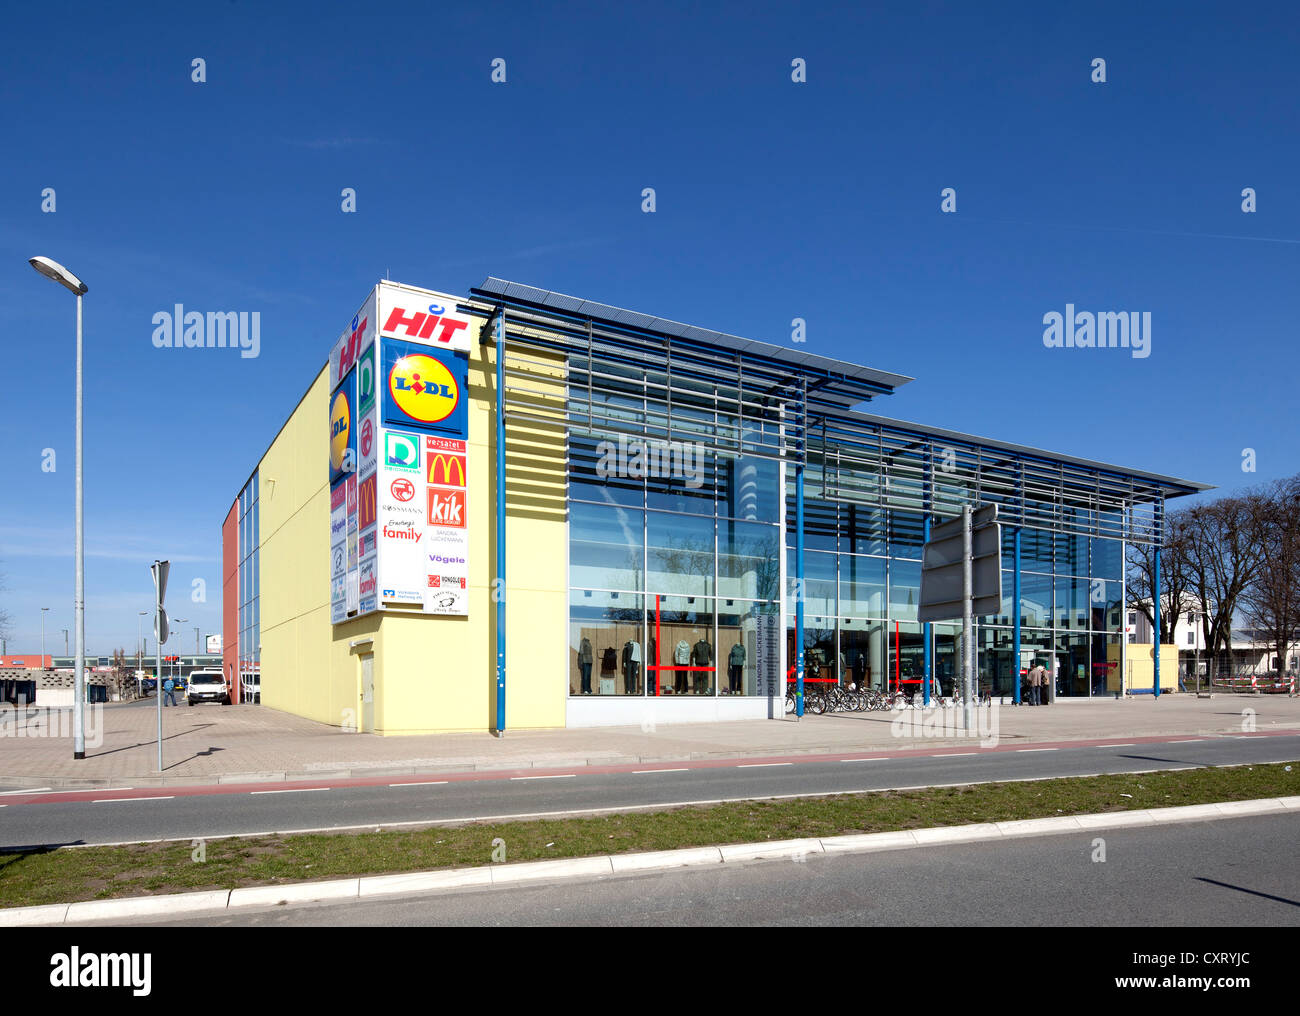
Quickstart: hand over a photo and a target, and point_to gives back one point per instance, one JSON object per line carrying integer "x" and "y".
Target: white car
{"x": 208, "y": 686}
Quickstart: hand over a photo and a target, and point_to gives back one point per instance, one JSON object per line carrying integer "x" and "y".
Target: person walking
{"x": 1036, "y": 678}
{"x": 169, "y": 692}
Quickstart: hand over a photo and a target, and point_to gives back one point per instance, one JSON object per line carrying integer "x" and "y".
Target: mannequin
{"x": 702, "y": 656}
{"x": 631, "y": 665}
{"x": 681, "y": 657}
{"x": 609, "y": 665}
{"x": 584, "y": 664}
{"x": 735, "y": 668}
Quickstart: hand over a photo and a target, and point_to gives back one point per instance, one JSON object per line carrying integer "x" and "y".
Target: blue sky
{"x": 775, "y": 200}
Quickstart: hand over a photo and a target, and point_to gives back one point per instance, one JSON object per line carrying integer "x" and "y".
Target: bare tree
{"x": 1175, "y": 578}
{"x": 1271, "y": 601}
{"x": 1223, "y": 558}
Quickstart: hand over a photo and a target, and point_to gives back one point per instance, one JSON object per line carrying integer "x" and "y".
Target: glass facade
{"x": 250, "y": 627}
{"x": 676, "y": 551}
{"x": 674, "y": 554}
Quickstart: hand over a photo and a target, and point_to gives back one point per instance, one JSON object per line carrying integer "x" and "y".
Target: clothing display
{"x": 609, "y": 661}
{"x": 701, "y": 656}
{"x": 584, "y": 665}
{"x": 631, "y": 666}
{"x": 681, "y": 657}
{"x": 735, "y": 668}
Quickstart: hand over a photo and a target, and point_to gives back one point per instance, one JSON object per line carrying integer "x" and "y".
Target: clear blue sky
{"x": 775, "y": 200}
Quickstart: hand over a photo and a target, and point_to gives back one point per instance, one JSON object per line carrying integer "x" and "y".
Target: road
{"x": 185, "y": 812}
{"x": 1196, "y": 873}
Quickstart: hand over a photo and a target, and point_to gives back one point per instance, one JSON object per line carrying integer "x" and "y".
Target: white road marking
{"x": 427, "y": 783}
{"x": 114, "y": 800}
{"x": 763, "y": 765}
{"x": 641, "y": 772}
{"x": 1190, "y": 740}
{"x": 295, "y": 790}
{"x": 878, "y": 758}
{"x": 559, "y": 776}
{"x": 34, "y": 790}
{"x": 1037, "y": 749}
{"x": 958, "y": 754}
{"x": 1122, "y": 744}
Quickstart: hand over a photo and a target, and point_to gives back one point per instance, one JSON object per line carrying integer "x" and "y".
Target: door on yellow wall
{"x": 368, "y": 693}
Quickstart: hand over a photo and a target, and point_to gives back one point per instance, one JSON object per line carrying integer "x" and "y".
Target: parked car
{"x": 208, "y": 686}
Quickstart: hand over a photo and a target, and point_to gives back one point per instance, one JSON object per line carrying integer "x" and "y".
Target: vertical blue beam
{"x": 798, "y": 552}
{"x": 500, "y": 590}
{"x": 1015, "y": 638}
{"x": 799, "y": 587}
{"x": 926, "y": 630}
{"x": 1155, "y": 604}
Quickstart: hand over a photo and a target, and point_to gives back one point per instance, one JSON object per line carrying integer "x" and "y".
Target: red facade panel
{"x": 230, "y": 600}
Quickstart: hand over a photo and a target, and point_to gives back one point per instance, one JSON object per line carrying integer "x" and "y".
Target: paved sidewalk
{"x": 210, "y": 744}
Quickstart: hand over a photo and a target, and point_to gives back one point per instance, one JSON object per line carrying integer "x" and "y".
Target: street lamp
{"x": 54, "y": 270}
{"x": 178, "y": 621}
{"x": 65, "y": 641}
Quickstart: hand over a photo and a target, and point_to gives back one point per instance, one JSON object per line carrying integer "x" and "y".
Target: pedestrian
{"x": 169, "y": 692}
{"x": 1036, "y": 678}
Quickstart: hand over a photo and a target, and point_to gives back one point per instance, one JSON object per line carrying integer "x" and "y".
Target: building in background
{"x": 658, "y": 479}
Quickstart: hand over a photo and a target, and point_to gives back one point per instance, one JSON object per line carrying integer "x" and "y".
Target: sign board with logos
{"x": 399, "y": 452}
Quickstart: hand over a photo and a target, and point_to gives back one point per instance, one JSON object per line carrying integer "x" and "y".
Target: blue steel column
{"x": 926, "y": 629}
{"x": 500, "y": 590}
{"x": 1015, "y": 638}
{"x": 1155, "y": 597}
{"x": 798, "y": 554}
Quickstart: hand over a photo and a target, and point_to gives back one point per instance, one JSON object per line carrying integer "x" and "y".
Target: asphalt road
{"x": 110, "y": 816}
{"x": 1196, "y": 873}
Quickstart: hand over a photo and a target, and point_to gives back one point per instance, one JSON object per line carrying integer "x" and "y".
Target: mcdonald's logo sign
{"x": 446, "y": 468}
{"x": 368, "y": 504}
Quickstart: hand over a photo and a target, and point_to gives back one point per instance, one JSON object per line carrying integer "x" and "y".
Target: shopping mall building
{"x": 519, "y": 509}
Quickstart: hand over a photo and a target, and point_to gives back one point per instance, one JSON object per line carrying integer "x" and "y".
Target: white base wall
{"x": 632, "y": 711}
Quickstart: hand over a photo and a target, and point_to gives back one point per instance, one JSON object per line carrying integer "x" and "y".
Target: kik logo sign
{"x": 447, "y": 507}
{"x": 424, "y": 389}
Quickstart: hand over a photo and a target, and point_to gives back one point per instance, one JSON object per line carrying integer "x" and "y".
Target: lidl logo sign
{"x": 401, "y": 452}
{"x": 424, "y": 389}
{"x": 447, "y": 507}
{"x": 342, "y": 441}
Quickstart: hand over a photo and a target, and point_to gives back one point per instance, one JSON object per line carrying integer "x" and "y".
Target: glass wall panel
{"x": 906, "y": 534}
{"x": 1035, "y": 600}
{"x": 1035, "y": 550}
{"x": 1072, "y": 671}
{"x": 749, "y": 488}
{"x": 862, "y": 645}
{"x": 680, "y": 553}
{"x": 864, "y": 530}
{"x": 819, "y": 583}
{"x": 748, "y": 560}
{"x": 606, "y": 648}
{"x": 904, "y": 589}
{"x": 905, "y": 657}
{"x": 737, "y": 646}
{"x": 684, "y": 626}
{"x": 595, "y": 473}
{"x": 862, "y": 586}
{"x": 605, "y": 546}
{"x": 1071, "y": 599}
{"x": 946, "y": 666}
{"x": 1107, "y": 559}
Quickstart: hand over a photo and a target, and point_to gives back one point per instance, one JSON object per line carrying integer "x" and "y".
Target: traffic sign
{"x": 942, "y": 566}
{"x": 160, "y": 630}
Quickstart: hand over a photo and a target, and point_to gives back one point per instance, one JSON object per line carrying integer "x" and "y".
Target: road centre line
{"x": 559, "y": 776}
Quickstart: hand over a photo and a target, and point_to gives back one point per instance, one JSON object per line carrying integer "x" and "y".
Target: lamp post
{"x": 65, "y": 641}
{"x": 54, "y": 270}
{"x": 178, "y": 621}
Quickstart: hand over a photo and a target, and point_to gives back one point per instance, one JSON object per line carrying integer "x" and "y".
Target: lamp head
{"x": 54, "y": 270}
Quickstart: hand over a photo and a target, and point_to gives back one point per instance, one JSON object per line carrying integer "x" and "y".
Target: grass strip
{"x": 29, "y": 878}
